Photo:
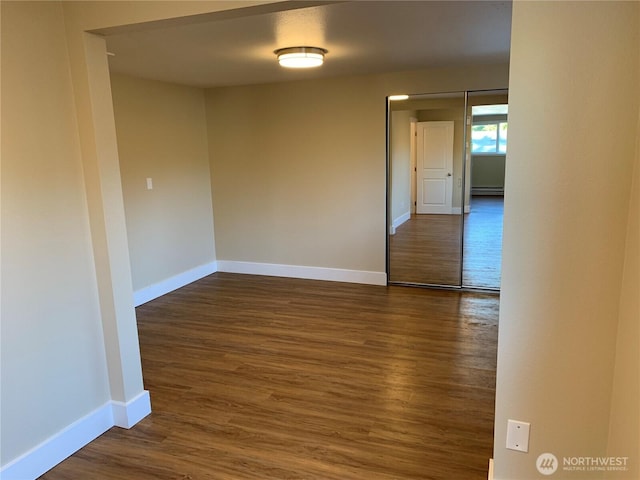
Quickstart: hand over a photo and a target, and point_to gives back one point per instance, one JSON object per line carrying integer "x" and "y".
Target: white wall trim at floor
{"x": 156, "y": 290}
{"x": 309, "y": 273}
{"x": 126, "y": 415}
{"x": 399, "y": 221}
{"x": 69, "y": 440}
{"x": 457, "y": 210}
{"x": 60, "y": 446}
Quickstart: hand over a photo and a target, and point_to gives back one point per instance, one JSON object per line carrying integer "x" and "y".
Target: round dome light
{"x": 301, "y": 57}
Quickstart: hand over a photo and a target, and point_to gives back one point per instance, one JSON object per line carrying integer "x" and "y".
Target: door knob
{"x": 448, "y": 174}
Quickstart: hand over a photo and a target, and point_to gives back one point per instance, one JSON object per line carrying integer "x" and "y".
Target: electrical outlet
{"x": 518, "y": 435}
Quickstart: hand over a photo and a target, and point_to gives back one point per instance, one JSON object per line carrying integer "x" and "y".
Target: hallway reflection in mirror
{"x": 426, "y": 171}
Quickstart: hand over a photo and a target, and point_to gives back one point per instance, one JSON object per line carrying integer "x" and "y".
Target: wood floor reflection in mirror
{"x": 426, "y": 248}
{"x": 483, "y": 242}
{"x": 275, "y": 378}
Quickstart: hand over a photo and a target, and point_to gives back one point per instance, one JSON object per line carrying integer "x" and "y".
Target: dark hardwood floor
{"x": 272, "y": 378}
{"x": 426, "y": 248}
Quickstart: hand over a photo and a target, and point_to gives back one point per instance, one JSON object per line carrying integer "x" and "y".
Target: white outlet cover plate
{"x": 518, "y": 435}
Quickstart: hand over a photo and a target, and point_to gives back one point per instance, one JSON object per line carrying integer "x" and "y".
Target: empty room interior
{"x": 215, "y": 266}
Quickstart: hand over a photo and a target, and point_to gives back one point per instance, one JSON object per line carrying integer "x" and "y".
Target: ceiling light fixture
{"x": 300, "y": 57}
{"x": 398, "y": 97}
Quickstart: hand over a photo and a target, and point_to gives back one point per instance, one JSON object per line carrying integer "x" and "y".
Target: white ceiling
{"x": 361, "y": 37}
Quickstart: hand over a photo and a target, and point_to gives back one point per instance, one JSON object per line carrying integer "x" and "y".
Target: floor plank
{"x": 272, "y": 378}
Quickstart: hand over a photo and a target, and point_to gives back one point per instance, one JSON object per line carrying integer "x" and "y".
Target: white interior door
{"x": 434, "y": 167}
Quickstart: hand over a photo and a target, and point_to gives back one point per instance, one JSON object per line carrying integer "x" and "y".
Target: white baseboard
{"x": 156, "y": 290}
{"x": 69, "y": 440}
{"x": 309, "y": 273}
{"x": 399, "y": 221}
{"x": 490, "y": 476}
{"x": 126, "y": 415}
{"x": 457, "y": 210}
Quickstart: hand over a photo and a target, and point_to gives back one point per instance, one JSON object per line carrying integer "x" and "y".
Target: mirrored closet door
{"x": 445, "y": 189}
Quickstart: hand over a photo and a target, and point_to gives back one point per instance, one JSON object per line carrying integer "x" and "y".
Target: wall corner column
{"x": 96, "y": 128}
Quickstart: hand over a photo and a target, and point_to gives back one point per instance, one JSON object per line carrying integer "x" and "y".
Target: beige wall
{"x": 574, "y": 84}
{"x": 299, "y": 173}
{"x": 624, "y": 428}
{"x": 400, "y": 163}
{"x": 298, "y": 169}
{"x": 162, "y": 135}
{"x": 487, "y": 170}
{"x": 53, "y": 356}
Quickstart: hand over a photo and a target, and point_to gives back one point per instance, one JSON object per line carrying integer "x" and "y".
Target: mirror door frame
{"x": 465, "y": 177}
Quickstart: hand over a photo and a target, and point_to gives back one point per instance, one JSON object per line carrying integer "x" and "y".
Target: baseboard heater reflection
{"x": 487, "y": 190}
